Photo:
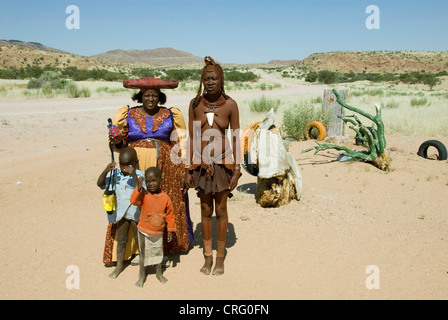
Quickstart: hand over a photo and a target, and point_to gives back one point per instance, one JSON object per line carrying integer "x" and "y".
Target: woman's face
{"x": 150, "y": 100}
{"x": 212, "y": 82}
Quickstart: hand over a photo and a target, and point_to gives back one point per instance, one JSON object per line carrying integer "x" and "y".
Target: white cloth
{"x": 153, "y": 253}
{"x": 273, "y": 158}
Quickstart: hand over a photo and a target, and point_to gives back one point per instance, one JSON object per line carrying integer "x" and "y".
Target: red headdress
{"x": 144, "y": 84}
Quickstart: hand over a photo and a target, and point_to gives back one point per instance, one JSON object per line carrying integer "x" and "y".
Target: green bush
{"x": 327, "y": 77}
{"x": 47, "y": 90}
{"x": 317, "y": 100}
{"x": 311, "y": 77}
{"x": 182, "y": 74}
{"x": 50, "y": 79}
{"x": 264, "y": 104}
{"x": 240, "y": 76}
{"x": 84, "y": 92}
{"x": 72, "y": 90}
{"x": 376, "y": 92}
{"x": 418, "y": 102}
{"x": 146, "y": 73}
{"x": 390, "y": 105}
{"x": 296, "y": 118}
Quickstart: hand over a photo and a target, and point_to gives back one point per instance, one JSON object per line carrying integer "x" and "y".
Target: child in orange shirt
{"x": 156, "y": 213}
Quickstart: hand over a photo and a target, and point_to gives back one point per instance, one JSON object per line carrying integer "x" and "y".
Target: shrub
{"x": 264, "y": 104}
{"x": 72, "y": 90}
{"x": 84, "y": 92}
{"x": 376, "y": 92}
{"x": 182, "y": 74}
{"x": 390, "y": 105}
{"x": 146, "y": 73}
{"x": 47, "y": 90}
{"x": 317, "y": 100}
{"x": 311, "y": 77}
{"x": 327, "y": 77}
{"x": 418, "y": 102}
{"x": 50, "y": 79}
{"x": 297, "y": 117}
{"x": 240, "y": 76}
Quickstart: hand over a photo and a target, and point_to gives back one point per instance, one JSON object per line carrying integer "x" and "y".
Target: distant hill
{"x": 16, "y": 53}
{"x": 31, "y": 45}
{"x": 159, "y": 56}
{"x": 283, "y": 62}
{"x": 377, "y": 61}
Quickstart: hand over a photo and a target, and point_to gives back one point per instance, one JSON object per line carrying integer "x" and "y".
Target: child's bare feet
{"x": 140, "y": 282}
{"x": 161, "y": 278}
{"x": 159, "y": 274}
{"x": 219, "y": 267}
{"x": 207, "y": 267}
{"x": 116, "y": 272}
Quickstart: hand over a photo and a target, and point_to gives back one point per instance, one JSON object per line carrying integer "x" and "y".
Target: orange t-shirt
{"x": 157, "y": 211}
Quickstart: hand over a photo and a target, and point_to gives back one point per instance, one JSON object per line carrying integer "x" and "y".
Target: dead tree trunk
{"x": 374, "y": 137}
{"x": 335, "y": 109}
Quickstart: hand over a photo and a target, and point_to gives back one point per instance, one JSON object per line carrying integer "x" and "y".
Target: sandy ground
{"x": 350, "y": 216}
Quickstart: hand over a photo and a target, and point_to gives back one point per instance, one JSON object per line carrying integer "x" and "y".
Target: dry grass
{"x": 406, "y": 117}
{"x": 399, "y": 115}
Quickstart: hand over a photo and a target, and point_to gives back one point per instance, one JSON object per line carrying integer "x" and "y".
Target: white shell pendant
{"x": 210, "y": 118}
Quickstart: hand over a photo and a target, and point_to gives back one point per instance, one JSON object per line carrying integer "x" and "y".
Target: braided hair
{"x": 210, "y": 65}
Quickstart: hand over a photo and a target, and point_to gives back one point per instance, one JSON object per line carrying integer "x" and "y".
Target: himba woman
{"x": 148, "y": 129}
{"x": 214, "y": 167}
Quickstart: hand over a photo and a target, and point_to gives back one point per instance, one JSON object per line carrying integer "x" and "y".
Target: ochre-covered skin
{"x": 214, "y": 179}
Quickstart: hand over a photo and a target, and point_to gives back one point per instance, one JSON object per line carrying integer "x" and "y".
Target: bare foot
{"x": 140, "y": 282}
{"x": 219, "y": 267}
{"x": 161, "y": 278}
{"x": 207, "y": 267}
{"x": 116, "y": 272}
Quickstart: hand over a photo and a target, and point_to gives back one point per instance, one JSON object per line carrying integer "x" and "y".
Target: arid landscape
{"x": 351, "y": 216}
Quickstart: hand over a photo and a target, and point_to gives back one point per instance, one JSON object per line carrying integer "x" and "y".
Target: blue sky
{"x": 231, "y": 31}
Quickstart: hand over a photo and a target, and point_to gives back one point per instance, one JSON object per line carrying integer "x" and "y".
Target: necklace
{"x": 210, "y": 108}
{"x": 219, "y": 102}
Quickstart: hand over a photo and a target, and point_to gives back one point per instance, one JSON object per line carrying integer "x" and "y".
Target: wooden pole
{"x": 336, "y": 126}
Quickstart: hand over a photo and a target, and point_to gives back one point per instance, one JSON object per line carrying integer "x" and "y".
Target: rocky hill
{"x": 283, "y": 62}
{"x": 15, "y": 53}
{"x": 377, "y": 61}
{"x": 159, "y": 56}
{"x": 30, "y": 45}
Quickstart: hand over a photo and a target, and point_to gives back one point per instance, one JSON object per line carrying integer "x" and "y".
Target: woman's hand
{"x": 183, "y": 185}
{"x": 234, "y": 180}
{"x": 170, "y": 236}
{"x": 188, "y": 181}
{"x": 116, "y": 139}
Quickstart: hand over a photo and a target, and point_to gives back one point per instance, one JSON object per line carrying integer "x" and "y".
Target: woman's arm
{"x": 119, "y": 120}
{"x": 188, "y": 176}
{"x": 235, "y": 126}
